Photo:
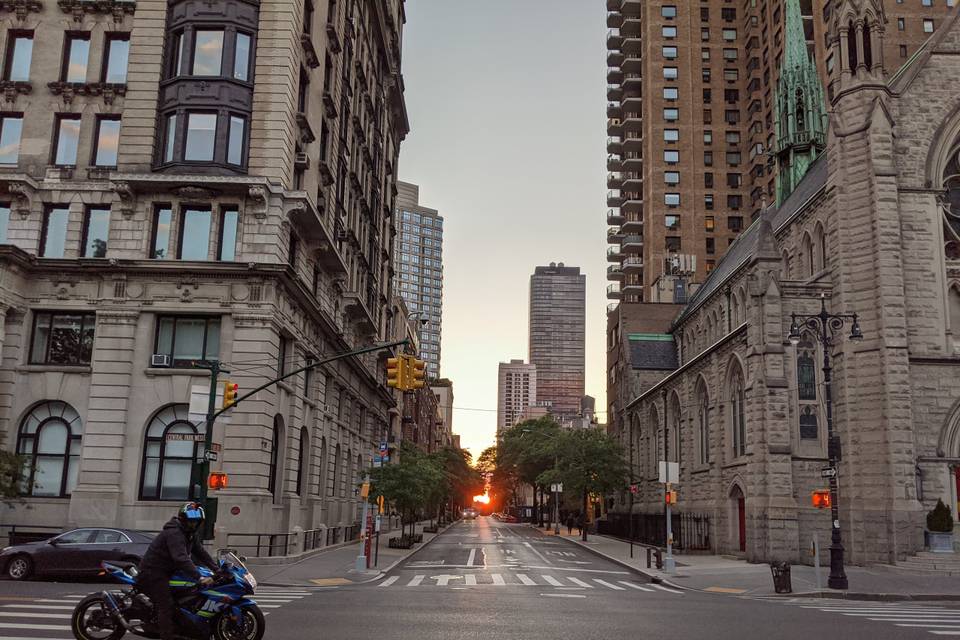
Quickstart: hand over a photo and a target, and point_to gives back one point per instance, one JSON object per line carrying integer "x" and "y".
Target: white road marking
{"x": 668, "y": 590}
{"x": 634, "y": 586}
{"x": 946, "y": 633}
{"x": 580, "y": 582}
{"x": 471, "y": 557}
{"x": 389, "y": 581}
{"x": 40, "y": 606}
{"x": 562, "y": 595}
{"x": 470, "y": 580}
{"x": 607, "y": 584}
{"x": 525, "y": 579}
{"x": 33, "y": 614}
{"x": 929, "y": 626}
{"x": 579, "y": 570}
{"x": 20, "y": 626}
{"x": 539, "y": 555}
{"x": 552, "y": 581}
{"x": 416, "y": 580}
{"x": 497, "y": 579}
{"x": 445, "y": 579}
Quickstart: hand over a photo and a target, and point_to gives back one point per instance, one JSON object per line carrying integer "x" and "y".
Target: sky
{"x": 507, "y": 103}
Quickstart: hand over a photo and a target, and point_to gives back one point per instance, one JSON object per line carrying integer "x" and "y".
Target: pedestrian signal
{"x": 821, "y": 499}
{"x": 217, "y": 480}
{"x": 670, "y": 496}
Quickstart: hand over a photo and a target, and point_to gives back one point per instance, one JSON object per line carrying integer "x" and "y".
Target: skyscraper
{"x": 557, "y": 336}
{"x": 516, "y": 390}
{"x": 419, "y": 258}
{"x": 692, "y": 118}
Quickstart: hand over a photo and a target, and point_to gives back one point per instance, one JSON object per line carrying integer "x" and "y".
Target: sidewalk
{"x": 336, "y": 566}
{"x": 724, "y": 574}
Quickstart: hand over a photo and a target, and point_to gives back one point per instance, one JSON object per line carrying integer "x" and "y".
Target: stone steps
{"x": 927, "y": 563}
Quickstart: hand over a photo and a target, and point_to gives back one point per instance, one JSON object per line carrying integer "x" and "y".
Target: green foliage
{"x": 11, "y": 471}
{"x": 940, "y": 519}
{"x": 530, "y": 448}
{"x": 590, "y": 461}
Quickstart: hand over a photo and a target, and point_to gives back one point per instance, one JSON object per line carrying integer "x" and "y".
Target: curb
{"x": 656, "y": 579}
{"x": 876, "y": 597}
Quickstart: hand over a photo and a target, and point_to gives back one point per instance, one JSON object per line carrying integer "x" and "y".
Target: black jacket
{"x": 174, "y": 550}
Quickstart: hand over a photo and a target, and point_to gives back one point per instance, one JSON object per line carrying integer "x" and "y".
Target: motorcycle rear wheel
{"x": 253, "y": 626}
{"x": 91, "y": 620}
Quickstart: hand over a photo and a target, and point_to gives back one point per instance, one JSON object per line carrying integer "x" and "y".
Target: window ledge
{"x": 309, "y": 402}
{"x": 173, "y": 371}
{"x": 83, "y": 369}
{"x": 703, "y": 468}
{"x": 739, "y": 462}
{"x": 285, "y": 386}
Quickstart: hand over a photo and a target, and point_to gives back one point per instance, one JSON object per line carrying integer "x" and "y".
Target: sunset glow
{"x": 484, "y": 499}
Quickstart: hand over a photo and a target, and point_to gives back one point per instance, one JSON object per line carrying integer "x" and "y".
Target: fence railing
{"x": 263, "y": 545}
{"x": 312, "y": 539}
{"x": 691, "y": 531}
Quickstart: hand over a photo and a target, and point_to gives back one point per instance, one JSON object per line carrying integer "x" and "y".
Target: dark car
{"x": 78, "y": 552}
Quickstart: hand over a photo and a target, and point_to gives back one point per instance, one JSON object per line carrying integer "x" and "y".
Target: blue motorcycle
{"x": 222, "y": 611}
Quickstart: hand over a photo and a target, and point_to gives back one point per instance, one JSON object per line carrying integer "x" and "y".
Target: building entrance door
{"x": 742, "y": 520}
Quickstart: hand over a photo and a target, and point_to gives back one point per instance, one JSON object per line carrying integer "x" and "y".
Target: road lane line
{"x": 552, "y": 581}
{"x": 470, "y": 580}
{"x": 471, "y": 557}
{"x": 20, "y": 626}
{"x": 609, "y": 585}
{"x": 416, "y": 580}
{"x": 580, "y": 582}
{"x": 634, "y": 586}
{"x": 539, "y": 555}
{"x": 525, "y": 579}
{"x": 33, "y": 614}
{"x": 389, "y": 581}
{"x": 928, "y": 626}
{"x": 497, "y": 579}
{"x": 663, "y": 588}
{"x": 562, "y": 595}
{"x": 39, "y": 606}
{"x": 946, "y": 633}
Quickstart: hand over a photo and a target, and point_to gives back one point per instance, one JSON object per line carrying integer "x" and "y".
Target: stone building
{"x": 871, "y": 229}
{"x": 219, "y": 185}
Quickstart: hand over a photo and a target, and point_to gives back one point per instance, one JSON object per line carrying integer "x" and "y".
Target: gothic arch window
{"x": 867, "y": 47}
{"x": 852, "y": 46}
{"x": 809, "y": 430}
{"x": 738, "y": 418}
{"x": 785, "y": 265}
{"x": 653, "y": 444}
{"x": 807, "y": 252}
{"x": 951, "y": 204}
{"x": 274, "y": 481}
{"x": 675, "y": 429}
{"x": 808, "y": 405}
{"x": 800, "y": 110}
{"x": 703, "y": 423}
{"x": 49, "y": 442}
{"x": 819, "y": 257}
{"x": 169, "y": 452}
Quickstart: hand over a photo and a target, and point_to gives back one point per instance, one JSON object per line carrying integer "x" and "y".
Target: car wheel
{"x": 19, "y": 567}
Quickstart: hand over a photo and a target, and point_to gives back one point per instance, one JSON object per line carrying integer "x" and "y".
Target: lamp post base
{"x": 838, "y": 577}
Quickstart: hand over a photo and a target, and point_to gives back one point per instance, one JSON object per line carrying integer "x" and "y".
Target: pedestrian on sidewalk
{"x": 579, "y": 524}
{"x": 570, "y": 523}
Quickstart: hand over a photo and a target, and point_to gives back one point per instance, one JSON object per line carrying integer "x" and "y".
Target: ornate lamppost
{"x": 826, "y": 325}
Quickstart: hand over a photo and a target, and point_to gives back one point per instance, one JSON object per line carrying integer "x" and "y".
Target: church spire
{"x": 801, "y": 114}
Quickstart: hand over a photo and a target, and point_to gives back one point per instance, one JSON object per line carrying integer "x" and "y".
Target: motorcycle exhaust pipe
{"x": 115, "y": 611}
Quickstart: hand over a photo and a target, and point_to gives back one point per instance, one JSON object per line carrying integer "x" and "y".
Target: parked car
{"x": 77, "y": 552}
{"x": 506, "y": 517}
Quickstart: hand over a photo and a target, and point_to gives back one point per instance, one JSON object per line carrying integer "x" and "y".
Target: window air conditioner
{"x": 159, "y": 360}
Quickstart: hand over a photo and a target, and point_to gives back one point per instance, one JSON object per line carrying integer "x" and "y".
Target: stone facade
{"x": 265, "y": 242}
{"x": 869, "y": 230}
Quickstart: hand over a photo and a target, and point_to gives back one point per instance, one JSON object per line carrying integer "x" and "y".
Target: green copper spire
{"x": 801, "y": 114}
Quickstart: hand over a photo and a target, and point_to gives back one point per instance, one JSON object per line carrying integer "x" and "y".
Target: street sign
{"x": 828, "y": 472}
{"x": 670, "y": 472}
{"x": 215, "y": 447}
{"x": 211, "y": 456}
{"x": 185, "y": 437}
{"x": 376, "y": 523}
{"x": 556, "y": 487}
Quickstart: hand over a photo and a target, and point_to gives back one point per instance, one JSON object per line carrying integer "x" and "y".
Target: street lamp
{"x": 826, "y": 325}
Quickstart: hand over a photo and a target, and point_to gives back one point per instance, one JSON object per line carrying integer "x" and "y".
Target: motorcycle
{"x": 222, "y": 610}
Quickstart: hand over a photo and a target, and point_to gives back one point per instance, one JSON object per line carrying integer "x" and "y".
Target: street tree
{"x": 529, "y": 449}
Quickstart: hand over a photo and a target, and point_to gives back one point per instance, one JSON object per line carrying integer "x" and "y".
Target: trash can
{"x": 781, "y": 577}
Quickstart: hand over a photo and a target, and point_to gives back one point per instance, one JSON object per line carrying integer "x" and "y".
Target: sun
{"x": 484, "y": 499}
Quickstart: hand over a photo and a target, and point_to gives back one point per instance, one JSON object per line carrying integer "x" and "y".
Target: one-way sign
{"x": 828, "y": 472}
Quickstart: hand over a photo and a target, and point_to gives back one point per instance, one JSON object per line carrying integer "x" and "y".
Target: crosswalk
{"x": 521, "y": 580}
{"x": 48, "y": 618}
{"x": 936, "y": 620}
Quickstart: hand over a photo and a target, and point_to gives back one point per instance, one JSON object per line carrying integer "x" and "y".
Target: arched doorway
{"x": 738, "y": 519}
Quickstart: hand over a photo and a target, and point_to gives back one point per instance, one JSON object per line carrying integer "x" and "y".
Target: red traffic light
{"x": 217, "y": 480}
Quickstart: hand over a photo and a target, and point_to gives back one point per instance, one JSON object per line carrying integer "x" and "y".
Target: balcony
{"x": 613, "y": 110}
{"x": 631, "y": 46}
{"x": 614, "y": 272}
{"x": 614, "y": 92}
{"x": 614, "y": 126}
{"x": 613, "y": 292}
{"x": 633, "y": 288}
{"x": 614, "y": 179}
{"x": 632, "y": 143}
{"x": 614, "y": 254}
{"x": 632, "y": 225}
{"x": 613, "y": 40}
{"x": 630, "y": 27}
{"x": 632, "y": 204}
{"x": 613, "y": 5}
{"x": 632, "y": 265}
{"x": 614, "y": 75}
{"x": 614, "y": 198}
{"x": 614, "y": 19}
{"x": 613, "y": 162}
{"x": 632, "y": 244}
{"x": 614, "y": 58}
{"x": 613, "y": 144}
{"x": 614, "y": 216}
{"x": 632, "y": 162}
{"x": 632, "y": 84}
{"x": 614, "y": 235}
{"x": 632, "y": 122}
{"x": 612, "y": 307}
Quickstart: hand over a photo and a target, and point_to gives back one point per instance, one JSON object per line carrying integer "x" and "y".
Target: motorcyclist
{"x": 177, "y": 549}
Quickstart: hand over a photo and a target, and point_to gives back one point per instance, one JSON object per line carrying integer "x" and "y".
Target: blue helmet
{"x": 191, "y": 516}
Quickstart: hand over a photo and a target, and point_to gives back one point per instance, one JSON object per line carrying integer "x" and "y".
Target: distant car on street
{"x": 506, "y": 517}
{"x": 74, "y": 553}
{"x": 470, "y": 513}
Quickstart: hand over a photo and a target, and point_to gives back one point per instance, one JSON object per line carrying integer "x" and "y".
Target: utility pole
{"x": 209, "y": 504}
{"x": 669, "y": 565}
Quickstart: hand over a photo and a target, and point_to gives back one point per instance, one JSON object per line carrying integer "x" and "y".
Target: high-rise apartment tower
{"x": 693, "y": 122}
{"x": 557, "y": 335}
{"x": 516, "y": 391}
{"x": 419, "y": 258}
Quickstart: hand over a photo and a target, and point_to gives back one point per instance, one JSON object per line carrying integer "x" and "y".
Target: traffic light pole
{"x": 216, "y": 369}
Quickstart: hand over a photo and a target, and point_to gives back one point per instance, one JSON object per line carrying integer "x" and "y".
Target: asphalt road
{"x": 484, "y": 579}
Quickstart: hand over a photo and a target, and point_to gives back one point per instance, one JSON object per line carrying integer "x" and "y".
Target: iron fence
{"x": 265, "y": 545}
{"x": 691, "y": 531}
{"x": 312, "y": 539}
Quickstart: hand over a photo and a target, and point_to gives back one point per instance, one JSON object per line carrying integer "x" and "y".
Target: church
{"x": 866, "y": 227}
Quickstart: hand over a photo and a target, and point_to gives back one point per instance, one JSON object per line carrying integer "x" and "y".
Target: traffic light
{"x": 670, "y": 496}
{"x": 821, "y": 499}
{"x": 418, "y": 373}
{"x": 230, "y": 391}
{"x": 396, "y": 377}
{"x": 217, "y": 480}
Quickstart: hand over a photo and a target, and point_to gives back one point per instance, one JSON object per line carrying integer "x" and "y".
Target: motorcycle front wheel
{"x": 252, "y": 626}
{"x": 91, "y": 620}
